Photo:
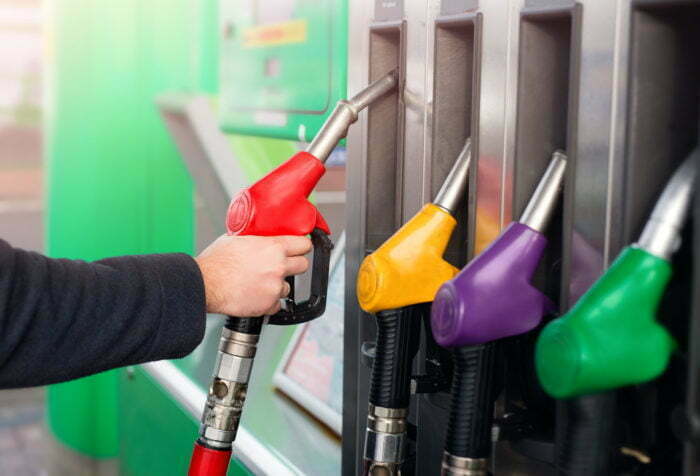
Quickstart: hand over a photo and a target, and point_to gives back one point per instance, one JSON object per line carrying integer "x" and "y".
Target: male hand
{"x": 244, "y": 275}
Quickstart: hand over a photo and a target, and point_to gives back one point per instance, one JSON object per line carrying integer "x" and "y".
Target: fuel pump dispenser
{"x": 491, "y": 298}
{"x": 394, "y": 283}
{"x": 275, "y": 205}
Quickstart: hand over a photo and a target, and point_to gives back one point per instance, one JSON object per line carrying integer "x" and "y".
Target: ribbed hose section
{"x": 584, "y": 434}
{"x": 471, "y": 411}
{"x": 245, "y": 325}
{"x": 397, "y": 344}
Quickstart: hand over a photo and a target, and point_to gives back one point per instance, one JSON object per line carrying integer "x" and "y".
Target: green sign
{"x": 283, "y": 65}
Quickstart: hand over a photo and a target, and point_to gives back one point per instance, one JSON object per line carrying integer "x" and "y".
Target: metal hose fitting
{"x": 385, "y": 440}
{"x": 228, "y": 390}
{"x": 460, "y": 466}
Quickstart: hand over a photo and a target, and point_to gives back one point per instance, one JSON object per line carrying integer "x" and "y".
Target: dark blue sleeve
{"x": 63, "y": 319}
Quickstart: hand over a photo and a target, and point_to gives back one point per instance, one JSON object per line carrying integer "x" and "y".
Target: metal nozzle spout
{"x": 542, "y": 203}
{"x": 454, "y": 186}
{"x": 345, "y": 113}
{"x": 661, "y": 234}
{"x": 375, "y": 90}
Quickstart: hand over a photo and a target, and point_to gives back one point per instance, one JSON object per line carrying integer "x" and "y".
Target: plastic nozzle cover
{"x": 492, "y": 297}
{"x": 409, "y": 268}
{"x": 277, "y": 204}
{"x": 610, "y": 338}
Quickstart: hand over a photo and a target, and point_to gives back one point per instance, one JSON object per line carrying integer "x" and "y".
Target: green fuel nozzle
{"x": 611, "y": 337}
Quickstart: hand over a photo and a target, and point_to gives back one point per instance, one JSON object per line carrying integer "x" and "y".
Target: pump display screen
{"x": 282, "y": 65}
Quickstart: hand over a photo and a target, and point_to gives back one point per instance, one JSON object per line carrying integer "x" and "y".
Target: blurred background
{"x": 116, "y": 139}
{"x": 23, "y": 439}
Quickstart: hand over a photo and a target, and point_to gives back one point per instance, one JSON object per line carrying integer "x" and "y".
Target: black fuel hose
{"x": 245, "y": 325}
{"x": 473, "y": 394}
{"x": 397, "y": 344}
{"x": 584, "y": 434}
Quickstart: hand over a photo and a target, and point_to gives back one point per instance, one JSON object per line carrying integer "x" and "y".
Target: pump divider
{"x": 455, "y": 111}
{"x": 385, "y": 126}
{"x": 548, "y": 82}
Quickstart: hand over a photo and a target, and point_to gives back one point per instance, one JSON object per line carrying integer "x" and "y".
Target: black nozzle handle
{"x": 397, "y": 343}
{"x": 297, "y": 312}
{"x": 300, "y": 312}
{"x": 245, "y": 325}
{"x": 473, "y": 396}
{"x": 584, "y": 434}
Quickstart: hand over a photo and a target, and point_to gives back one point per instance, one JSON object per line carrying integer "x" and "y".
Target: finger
{"x": 286, "y": 289}
{"x": 295, "y": 245}
{"x": 274, "y": 309}
{"x": 296, "y": 265}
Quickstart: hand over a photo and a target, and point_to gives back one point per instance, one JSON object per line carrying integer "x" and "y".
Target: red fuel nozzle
{"x": 277, "y": 204}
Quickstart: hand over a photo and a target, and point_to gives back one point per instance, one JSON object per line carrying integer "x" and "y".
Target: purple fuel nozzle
{"x": 492, "y": 297}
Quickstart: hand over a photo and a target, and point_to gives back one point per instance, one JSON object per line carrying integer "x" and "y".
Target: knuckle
{"x": 279, "y": 270}
{"x": 276, "y": 288}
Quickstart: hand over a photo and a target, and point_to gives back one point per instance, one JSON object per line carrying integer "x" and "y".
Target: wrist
{"x": 212, "y": 301}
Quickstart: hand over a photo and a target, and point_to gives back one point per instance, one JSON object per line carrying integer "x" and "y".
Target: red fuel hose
{"x": 208, "y": 461}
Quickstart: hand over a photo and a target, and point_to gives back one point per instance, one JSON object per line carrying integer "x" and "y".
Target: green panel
{"x": 161, "y": 434}
{"x": 115, "y": 182}
{"x": 75, "y": 420}
{"x": 258, "y": 155}
{"x": 283, "y": 65}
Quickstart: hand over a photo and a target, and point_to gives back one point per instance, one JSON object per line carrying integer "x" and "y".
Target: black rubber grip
{"x": 397, "y": 344}
{"x": 473, "y": 395}
{"x": 584, "y": 434}
{"x": 245, "y": 325}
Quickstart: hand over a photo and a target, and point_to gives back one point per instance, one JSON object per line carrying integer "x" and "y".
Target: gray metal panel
{"x": 374, "y": 197}
{"x": 390, "y": 10}
{"x": 455, "y": 88}
{"x": 452, "y": 7}
{"x": 497, "y": 102}
{"x": 452, "y": 89}
{"x": 588, "y": 240}
{"x": 355, "y": 389}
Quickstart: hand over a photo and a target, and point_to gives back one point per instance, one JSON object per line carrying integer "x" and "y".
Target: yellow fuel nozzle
{"x": 409, "y": 268}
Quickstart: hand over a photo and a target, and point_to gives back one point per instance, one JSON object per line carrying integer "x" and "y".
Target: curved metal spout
{"x": 345, "y": 113}
{"x": 662, "y": 233}
{"x": 542, "y": 203}
{"x": 454, "y": 186}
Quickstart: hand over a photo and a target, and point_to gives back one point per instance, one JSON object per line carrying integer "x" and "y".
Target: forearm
{"x": 63, "y": 319}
